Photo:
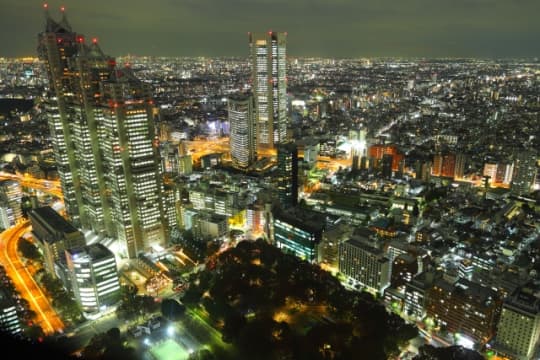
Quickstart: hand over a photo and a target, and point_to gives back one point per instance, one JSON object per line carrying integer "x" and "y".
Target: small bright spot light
{"x": 170, "y": 330}
{"x": 190, "y": 351}
{"x": 464, "y": 341}
{"x": 146, "y": 341}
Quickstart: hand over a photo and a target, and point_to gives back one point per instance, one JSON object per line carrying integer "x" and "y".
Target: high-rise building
{"x": 243, "y": 137}
{"x": 524, "y": 172}
{"x": 53, "y": 236}
{"x": 57, "y": 44}
{"x": 10, "y": 203}
{"x": 94, "y": 277}
{"x": 378, "y": 151}
{"x": 459, "y": 168}
{"x": 287, "y": 172}
{"x": 365, "y": 264}
{"x": 518, "y": 332}
{"x": 101, "y": 123}
{"x": 185, "y": 165}
{"x": 416, "y": 292}
{"x": 386, "y": 166}
{"x": 131, "y": 163}
{"x": 299, "y": 232}
{"x": 269, "y": 86}
{"x": 464, "y": 307}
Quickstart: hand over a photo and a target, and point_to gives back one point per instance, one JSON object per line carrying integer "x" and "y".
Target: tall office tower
{"x": 269, "y": 86}
{"x": 242, "y": 139}
{"x": 10, "y": 203}
{"x": 94, "y": 277}
{"x": 131, "y": 162}
{"x": 518, "y": 332}
{"x": 287, "y": 171}
{"x": 524, "y": 172}
{"x": 100, "y": 118}
{"x": 57, "y": 44}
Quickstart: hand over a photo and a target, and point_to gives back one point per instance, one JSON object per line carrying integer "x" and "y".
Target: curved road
{"x": 51, "y": 187}
{"x": 25, "y": 284}
{"x": 199, "y": 148}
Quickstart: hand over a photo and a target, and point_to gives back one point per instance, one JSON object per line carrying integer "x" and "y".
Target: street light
{"x": 170, "y": 330}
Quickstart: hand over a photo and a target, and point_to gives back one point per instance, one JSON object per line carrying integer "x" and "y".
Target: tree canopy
{"x": 273, "y": 305}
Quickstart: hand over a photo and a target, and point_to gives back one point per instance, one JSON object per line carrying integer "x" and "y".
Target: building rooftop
{"x": 303, "y": 218}
{"x": 94, "y": 252}
{"x": 362, "y": 245}
{"x": 524, "y": 299}
{"x": 54, "y": 219}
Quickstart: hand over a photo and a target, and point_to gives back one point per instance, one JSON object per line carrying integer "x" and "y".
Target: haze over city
{"x": 340, "y": 28}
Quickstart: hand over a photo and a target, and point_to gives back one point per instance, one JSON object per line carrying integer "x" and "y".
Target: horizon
{"x": 346, "y": 29}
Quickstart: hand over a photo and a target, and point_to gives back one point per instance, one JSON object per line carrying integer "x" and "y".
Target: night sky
{"x": 328, "y": 28}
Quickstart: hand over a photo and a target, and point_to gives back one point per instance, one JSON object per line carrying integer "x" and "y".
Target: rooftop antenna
{"x": 46, "y": 10}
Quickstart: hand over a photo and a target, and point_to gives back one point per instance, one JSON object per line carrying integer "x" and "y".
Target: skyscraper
{"x": 57, "y": 44}
{"x": 287, "y": 172}
{"x": 524, "y": 172}
{"x": 131, "y": 163}
{"x": 10, "y": 203}
{"x": 100, "y": 118}
{"x": 269, "y": 84}
{"x": 242, "y": 139}
{"x": 94, "y": 277}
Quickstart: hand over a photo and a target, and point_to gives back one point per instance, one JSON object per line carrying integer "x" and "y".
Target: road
{"x": 51, "y": 187}
{"x": 199, "y": 148}
{"x": 25, "y": 284}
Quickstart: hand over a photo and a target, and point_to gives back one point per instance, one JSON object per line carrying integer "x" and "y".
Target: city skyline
{"x": 419, "y": 28}
{"x": 257, "y": 208}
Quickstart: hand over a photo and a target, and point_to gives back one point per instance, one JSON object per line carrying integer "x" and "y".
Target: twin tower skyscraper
{"x": 258, "y": 122}
{"x": 101, "y": 123}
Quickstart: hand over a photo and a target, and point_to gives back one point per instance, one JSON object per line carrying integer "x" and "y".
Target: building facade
{"x": 524, "y": 172}
{"x": 243, "y": 140}
{"x": 54, "y": 235}
{"x": 101, "y": 124}
{"x": 287, "y": 173}
{"x": 299, "y": 232}
{"x": 518, "y": 331}
{"x": 9, "y": 319}
{"x": 10, "y": 203}
{"x": 269, "y": 86}
{"x": 365, "y": 264}
{"x": 94, "y": 277}
{"x": 464, "y": 307}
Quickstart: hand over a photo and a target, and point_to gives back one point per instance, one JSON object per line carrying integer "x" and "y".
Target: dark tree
{"x": 28, "y": 249}
{"x": 172, "y": 309}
